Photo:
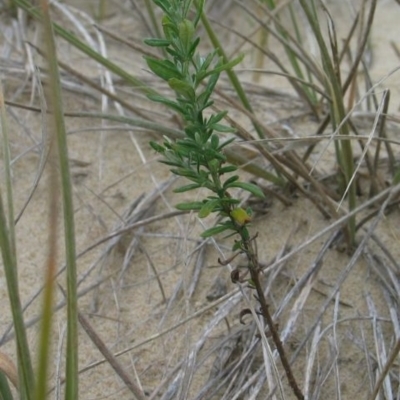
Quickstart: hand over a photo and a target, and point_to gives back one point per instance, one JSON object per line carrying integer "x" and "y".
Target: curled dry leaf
{"x": 244, "y": 312}
{"x": 235, "y": 276}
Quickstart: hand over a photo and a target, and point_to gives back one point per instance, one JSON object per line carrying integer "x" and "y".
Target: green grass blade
{"x": 71, "y": 388}
{"x": 7, "y": 170}
{"x": 49, "y": 282}
{"x": 8, "y": 250}
{"x": 344, "y": 152}
{"x": 5, "y": 391}
{"x": 293, "y": 59}
{"x": 150, "y": 10}
{"x": 48, "y": 302}
{"x": 307, "y": 88}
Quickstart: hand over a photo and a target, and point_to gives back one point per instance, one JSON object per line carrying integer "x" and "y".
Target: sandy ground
{"x": 117, "y": 181}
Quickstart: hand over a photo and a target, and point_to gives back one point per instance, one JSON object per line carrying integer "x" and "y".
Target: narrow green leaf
{"x": 214, "y": 76}
{"x": 215, "y": 230}
{"x": 237, "y": 246}
{"x": 226, "y": 143}
{"x": 217, "y": 117}
{"x": 165, "y": 69}
{"x": 8, "y": 252}
{"x": 231, "y": 180}
{"x": 214, "y": 142}
{"x": 172, "y": 52}
{"x": 200, "y": 7}
{"x": 158, "y": 148}
{"x": 193, "y": 206}
{"x": 55, "y": 99}
{"x": 186, "y": 32}
{"x": 169, "y": 103}
{"x": 10, "y": 271}
{"x": 227, "y": 169}
{"x": 206, "y": 62}
{"x": 193, "y": 47}
{"x": 169, "y": 28}
{"x": 5, "y": 391}
{"x": 152, "y": 16}
{"x": 187, "y": 173}
{"x": 227, "y": 66}
{"x": 222, "y": 128}
{"x": 208, "y": 208}
{"x": 249, "y": 187}
{"x": 185, "y": 7}
{"x": 187, "y": 188}
{"x": 165, "y": 5}
{"x": 230, "y": 200}
{"x": 183, "y": 88}
{"x": 171, "y": 163}
{"x": 157, "y": 42}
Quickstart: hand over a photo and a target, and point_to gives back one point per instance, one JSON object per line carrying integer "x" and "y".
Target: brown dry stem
{"x": 254, "y": 269}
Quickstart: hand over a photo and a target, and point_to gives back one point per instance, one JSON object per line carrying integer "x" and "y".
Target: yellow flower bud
{"x": 240, "y": 216}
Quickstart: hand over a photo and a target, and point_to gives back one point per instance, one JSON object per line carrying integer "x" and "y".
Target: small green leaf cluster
{"x": 186, "y": 70}
{"x": 199, "y": 155}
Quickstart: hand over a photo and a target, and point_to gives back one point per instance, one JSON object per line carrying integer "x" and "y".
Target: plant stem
{"x": 254, "y": 274}
{"x": 254, "y": 270}
{"x": 60, "y": 135}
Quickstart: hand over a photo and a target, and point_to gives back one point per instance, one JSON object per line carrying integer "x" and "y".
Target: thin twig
{"x": 255, "y": 277}
{"x": 137, "y": 392}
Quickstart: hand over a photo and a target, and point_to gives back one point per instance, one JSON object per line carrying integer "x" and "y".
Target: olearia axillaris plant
{"x": 199, "y": 155}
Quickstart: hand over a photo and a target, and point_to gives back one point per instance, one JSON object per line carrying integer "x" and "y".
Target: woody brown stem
{"x": 254, "y": 273}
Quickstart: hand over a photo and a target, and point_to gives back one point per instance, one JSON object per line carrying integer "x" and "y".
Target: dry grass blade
{"x": 345, "y": 273}
{"x": 383, "y": 380}
{"x": 392, "y": 304}
{"x": 198, "y": 266}
{"x": 43, "y": 154}
{"x": 382, "y": 133}
{"x": 295, "y": 52}
{"x": 103, "y": 90}
{"x": 9, "y": 334}
{"x": 380, "y": 349}
{"x": 378, "y": 118}
{"x": 385, "y": 370}
{"x": 294, "y": 81}
{"x": 313, "y": 351}
{"x": 8, "y": 251}
{"x": 391, "y": 192}
{"x": 334, "y": 346}
{"x": 220, "y": 315}
{"x": 135, "y": 213}
{"x": 156, "y": 273}
{"x": 131, "y": 44}
{"x": 289, "y": 165}
{"x": 130, "y": 384}
{"x": 128, "y": 228}
{"x": 235, "y": 375}
{"x": 58, "y": 377}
